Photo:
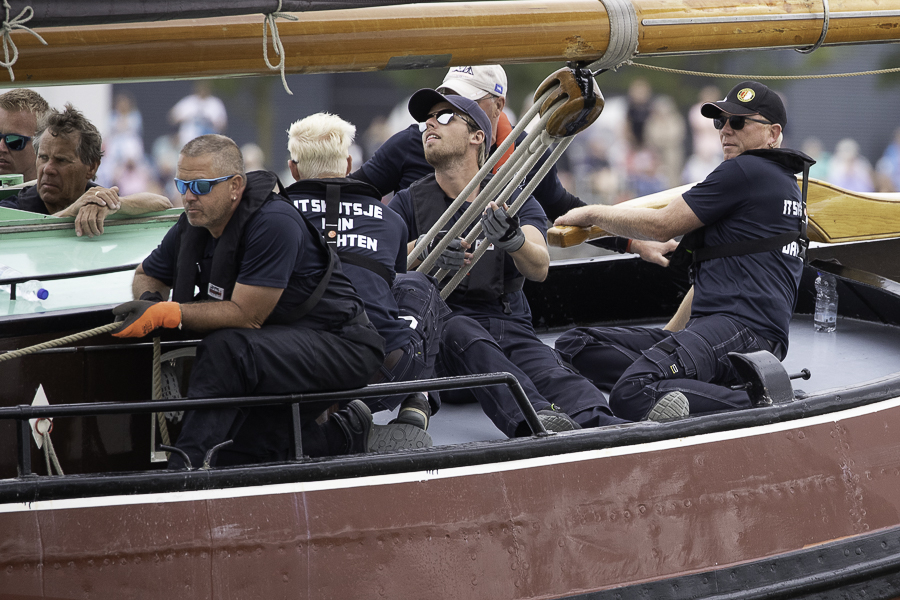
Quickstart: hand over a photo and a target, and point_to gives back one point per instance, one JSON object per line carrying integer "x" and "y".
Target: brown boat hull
{"x": 549, "y": 527}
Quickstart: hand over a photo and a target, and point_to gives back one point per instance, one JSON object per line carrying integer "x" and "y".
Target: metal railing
{"x": 22, "y": 413}
{"x": 12, "y": 281}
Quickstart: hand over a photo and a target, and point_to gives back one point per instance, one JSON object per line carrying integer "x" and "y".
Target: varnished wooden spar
{"x": 835, "y": 215}
{"x": 439, "y": 35}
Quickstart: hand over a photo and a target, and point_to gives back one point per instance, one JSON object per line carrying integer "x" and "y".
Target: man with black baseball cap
{"x": 745, "y": 230}
{"x": 490, "y": 327}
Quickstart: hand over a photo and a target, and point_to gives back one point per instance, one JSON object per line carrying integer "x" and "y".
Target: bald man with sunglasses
{"x": 745, "y": 230}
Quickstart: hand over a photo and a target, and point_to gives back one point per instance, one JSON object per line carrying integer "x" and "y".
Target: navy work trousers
{"x": 421, "y": 304}
{"x": 631, "y": 362}
{"x": 489, "y": 345}
{"x": 273, "y": 360}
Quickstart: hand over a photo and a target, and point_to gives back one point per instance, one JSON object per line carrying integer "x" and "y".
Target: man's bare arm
{"x": 249, "y": 307}
{"x": 144, "y": 283}
{"x": 660, "y": 225}
{"x": 683, "y": 314}
{"x": 533, "y": 258}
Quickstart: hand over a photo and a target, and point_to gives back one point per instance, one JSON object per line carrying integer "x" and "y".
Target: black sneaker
{"x": 355, "y": 420}
{"x": 415, "y": 410}
{"x": 673, "y": 405}
{"x": 557, "y": 421}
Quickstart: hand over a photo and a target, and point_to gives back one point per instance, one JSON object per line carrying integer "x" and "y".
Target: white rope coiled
{"x": 6, "y": 29}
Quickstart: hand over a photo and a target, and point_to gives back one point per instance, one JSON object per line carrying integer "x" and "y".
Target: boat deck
{"x": 857, "y": 351}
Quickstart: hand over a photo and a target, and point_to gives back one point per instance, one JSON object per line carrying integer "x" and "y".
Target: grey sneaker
{"x": 557, "y": 421}
{"x": 673, "y": 405}
{"x": 398, "y": 436}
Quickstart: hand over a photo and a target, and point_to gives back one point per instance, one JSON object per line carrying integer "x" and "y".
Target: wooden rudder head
{"x": 583, "y": 101}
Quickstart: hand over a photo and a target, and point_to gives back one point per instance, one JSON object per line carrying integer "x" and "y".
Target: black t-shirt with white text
{"x": 749, "y": 197}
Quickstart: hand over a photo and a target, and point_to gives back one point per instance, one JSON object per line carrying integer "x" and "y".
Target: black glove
{"x": 502, "y": 230}
{"x": 452, "y": 258}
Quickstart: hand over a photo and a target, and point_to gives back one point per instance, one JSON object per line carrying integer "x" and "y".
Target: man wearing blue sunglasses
{"x": 68, "y": 149}
{"x": 278, "y": 314}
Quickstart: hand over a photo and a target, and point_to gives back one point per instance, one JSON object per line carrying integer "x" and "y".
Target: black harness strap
{"x": 744, "y": 247}
{"x": 352, "y": 258}
{"x": 332, "y": 210}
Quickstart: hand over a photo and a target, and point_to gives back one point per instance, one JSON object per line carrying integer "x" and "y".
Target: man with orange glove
{"x": 280, "y": 316}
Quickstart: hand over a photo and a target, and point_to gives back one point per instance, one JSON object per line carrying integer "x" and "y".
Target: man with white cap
{"x": 401, "y": 160}
{"x": 745, "y": 229}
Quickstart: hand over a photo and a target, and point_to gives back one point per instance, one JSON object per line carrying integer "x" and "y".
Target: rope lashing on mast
{"x": 623, "y": 35}
{"x": 826, "y": 21}
{"x": 6, "y": 29}
{"x": 270, "y": 24}
{"x": 566, "y": 103}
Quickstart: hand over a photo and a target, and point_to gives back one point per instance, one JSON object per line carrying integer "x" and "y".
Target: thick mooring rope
{"x": 58, "y": 342}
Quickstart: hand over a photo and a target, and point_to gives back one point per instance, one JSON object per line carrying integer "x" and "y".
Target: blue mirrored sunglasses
{"x": 199, "y": 187}
{"x": 14, "y": 141}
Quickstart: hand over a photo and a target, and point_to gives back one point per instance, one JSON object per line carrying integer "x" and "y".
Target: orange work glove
{"x": 140, "y": 317}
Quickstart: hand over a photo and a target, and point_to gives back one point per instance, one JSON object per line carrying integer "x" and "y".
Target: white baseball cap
{"x": 475, "y": 82}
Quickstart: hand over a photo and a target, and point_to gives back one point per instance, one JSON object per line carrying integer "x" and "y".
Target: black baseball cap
{"x": 423, "y": 100}
{"x": 748, "y": 98}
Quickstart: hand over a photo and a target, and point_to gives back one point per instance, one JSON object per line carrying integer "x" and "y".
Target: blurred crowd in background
{"x": 642, "y": 143}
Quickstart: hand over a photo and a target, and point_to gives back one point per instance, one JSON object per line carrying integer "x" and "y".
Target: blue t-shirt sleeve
{"x": 385, "y": 169}
{"x": 161, "y": 262}
{"x": 272, "y": 250}
{"x": 402, "y": 205}
{"x": 719, "y": 194}
{"x": 12, "y": 202}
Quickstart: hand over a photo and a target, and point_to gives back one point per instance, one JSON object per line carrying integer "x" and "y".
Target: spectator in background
{"x": 640, "y": 97}
{"x": 123, "y": 151}
{"x": 165, "y": 158}
{"x": 665, "y": 134}
{"x": 887, "y": 170}
{"x": 707, "y": 149}
{"x": 814, "y": 149}
{"x": 199, "y": 114}
{"x": 849, "y": 169}
{"x": 254, "y": 157}
{"x": 20, "y": 111}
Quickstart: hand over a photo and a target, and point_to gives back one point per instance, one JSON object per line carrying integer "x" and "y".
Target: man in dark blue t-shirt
{"x": 370, "y": 238}
{"x": 490, "y": 328}
{"x": 739, "y": 302}
{"x": 278, "y": 314}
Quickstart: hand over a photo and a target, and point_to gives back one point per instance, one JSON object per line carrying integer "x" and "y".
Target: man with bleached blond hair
{"x": 370, "y": 239}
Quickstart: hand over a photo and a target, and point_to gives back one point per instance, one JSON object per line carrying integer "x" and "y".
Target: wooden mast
{"x": 436, "y": 35}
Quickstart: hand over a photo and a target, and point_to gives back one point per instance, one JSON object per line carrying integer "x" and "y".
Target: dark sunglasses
{"x": 14, "y": 141}
{"x": 737, "y": 123}
{"x": 199, "y": 187}
{"x": 442, "y": 116}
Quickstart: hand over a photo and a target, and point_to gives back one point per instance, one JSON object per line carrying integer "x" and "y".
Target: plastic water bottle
{"x": 826, "y": 303}
{"x": 31, "y": 290}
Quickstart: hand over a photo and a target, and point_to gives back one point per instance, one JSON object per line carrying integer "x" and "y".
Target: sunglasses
{"x": 443, "y": 117}
{"x": 199, "y": 187}
{"x": 737, "y": 123}
{"x": 14, "y": 141}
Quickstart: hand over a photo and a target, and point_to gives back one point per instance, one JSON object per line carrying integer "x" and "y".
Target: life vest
{"x": 486, "y": 279}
